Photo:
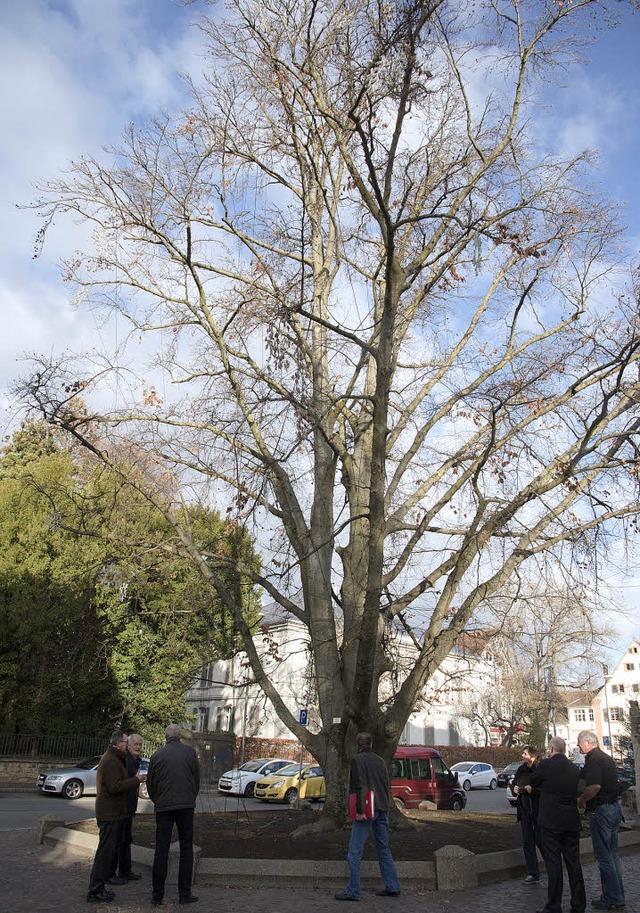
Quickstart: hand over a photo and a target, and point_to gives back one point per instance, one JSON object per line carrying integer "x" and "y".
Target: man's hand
{"x": 141, "y": 777}
{"x": 361, "y": 817}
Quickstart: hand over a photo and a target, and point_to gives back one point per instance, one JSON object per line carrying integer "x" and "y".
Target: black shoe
{"x": 101, "y": 897}
{"x": 115, "y": 879}
{"x": 342, "y": 895}
{"x": 531, "y": 879}
{"x": 601, "y": 904}
{"x": 385, "y": 892}
{"x": 190, "y": 898}
{"x": 132, "y": 876}
{"x": 156, "y": 900}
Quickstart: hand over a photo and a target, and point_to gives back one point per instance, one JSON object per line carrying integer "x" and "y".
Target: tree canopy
{"x": 388, "y": 323}
{"x": 101, "y": 621}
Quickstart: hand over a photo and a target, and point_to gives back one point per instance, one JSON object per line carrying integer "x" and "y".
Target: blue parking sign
{"x": 303, "y": 717}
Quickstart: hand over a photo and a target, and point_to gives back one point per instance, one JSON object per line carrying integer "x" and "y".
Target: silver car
{"x": 74, "y": 782}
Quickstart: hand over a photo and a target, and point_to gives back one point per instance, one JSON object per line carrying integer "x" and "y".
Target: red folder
{"x": 369, "y": 808}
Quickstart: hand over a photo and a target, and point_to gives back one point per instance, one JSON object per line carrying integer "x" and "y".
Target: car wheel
{"x": 493, "y": 784}
{"x": 457, "y": 805}
{"x": 73, "y": 789}
{"x": 143, "y": 791}
{"x": 291, "y": 795}
{"x": 249, "y": 789}
{"x": 398, "y": 803}
{"x": 466, "y": 785}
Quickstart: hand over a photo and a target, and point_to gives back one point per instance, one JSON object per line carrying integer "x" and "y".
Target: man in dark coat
{"x": 112, "y": 785}
{"x": 527, "y": 812}
{"x": 600, "y": 798}
{"x": 173, "y": 781}
{"x": 369, "y": 774}
{"x": 556, "y": 778}
{"x": 132, "y": 760}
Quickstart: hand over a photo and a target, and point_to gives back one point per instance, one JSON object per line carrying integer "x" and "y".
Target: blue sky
{"x": 75, "y": 72}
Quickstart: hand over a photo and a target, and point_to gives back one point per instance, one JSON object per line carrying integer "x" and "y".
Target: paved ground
{"x": 38, "y": 879}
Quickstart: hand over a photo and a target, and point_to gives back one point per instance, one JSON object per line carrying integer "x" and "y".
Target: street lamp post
{"x": 605, "y": 671}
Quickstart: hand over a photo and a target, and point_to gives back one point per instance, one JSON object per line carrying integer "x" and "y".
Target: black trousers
{"x": 124, "y": 847}
{"x": 556, "y": 846}
{"x": 183, "y": 819}
{"x": 530, "y": 840}
{"x": 104, "y": 862}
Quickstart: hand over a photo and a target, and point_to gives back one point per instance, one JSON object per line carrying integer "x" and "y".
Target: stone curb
{"x": 454, "y": 868}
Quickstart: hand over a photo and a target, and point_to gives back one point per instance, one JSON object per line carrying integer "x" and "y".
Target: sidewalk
{"x": 39, "y": 879}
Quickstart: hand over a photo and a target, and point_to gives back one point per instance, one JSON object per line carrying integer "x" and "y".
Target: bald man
{"x": 173, "y": 781}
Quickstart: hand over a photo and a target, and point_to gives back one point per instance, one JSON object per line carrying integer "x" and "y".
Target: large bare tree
{"x": 383, "y": 317}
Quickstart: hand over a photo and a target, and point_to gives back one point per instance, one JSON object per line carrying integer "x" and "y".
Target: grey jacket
{"x": 173, "y": 779}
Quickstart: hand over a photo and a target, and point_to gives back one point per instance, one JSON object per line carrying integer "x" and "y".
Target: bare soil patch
{"x": 269, "y": 835}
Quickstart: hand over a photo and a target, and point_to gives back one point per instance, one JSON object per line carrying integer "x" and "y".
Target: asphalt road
{"x": 22, "y": 810}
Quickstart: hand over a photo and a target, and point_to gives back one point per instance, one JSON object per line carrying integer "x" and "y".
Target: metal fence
{"x": 58, "y": 747}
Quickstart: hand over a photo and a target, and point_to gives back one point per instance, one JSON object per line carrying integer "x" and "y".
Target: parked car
{"x": 512, "y": 799}
{"x": 420, "y": 774}
{"x": 74, "y": 782}
{"x": 506, "y": 776}
{"x": 241, "y": 781}
{"x": 283, "y": 785}
{"x": 475, "y": 775}
{"x": 626, "y": 774}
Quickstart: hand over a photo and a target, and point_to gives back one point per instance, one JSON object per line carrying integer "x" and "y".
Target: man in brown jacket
{"x": 112, "y": 786}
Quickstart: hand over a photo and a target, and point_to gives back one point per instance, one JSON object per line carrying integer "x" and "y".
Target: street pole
{"x": 606, "y": 703}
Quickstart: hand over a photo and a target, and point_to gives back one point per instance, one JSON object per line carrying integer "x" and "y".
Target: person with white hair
{"x": 173, "y": 781}
{"x": 600, "y": 799}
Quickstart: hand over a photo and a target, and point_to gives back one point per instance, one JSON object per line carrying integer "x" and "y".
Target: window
{"x": 440, "y": 770}
{"x": 617, "y": 714}
{"x": 398, "y": 769}
{"x": 591, "y": 715}
{"x": 581, "y": 716}
{"x": 635, "y": 687}
{"x": 621, "y": 689}
{"x": 614, "y": 689}
{"x": 629, "y": 667}
{"x": 420, "y": 769}
{"x": 605, "y": 716}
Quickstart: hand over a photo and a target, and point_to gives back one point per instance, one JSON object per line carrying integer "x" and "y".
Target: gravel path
{"x": 39, "y": 879}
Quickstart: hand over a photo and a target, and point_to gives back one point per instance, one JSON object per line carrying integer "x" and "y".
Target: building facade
{"x": 224, "y": 697}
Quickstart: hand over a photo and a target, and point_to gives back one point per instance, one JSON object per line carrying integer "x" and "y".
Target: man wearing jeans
{"x": 369, "y": 774}
{"x": 173, "y": 781}
{"x": 600, "y": 798}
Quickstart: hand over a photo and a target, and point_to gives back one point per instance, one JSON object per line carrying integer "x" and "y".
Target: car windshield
{"x": 291, "y": 771}
{"x": 464, "y": 765}
{"x": 88, "y": 763}
{"x": 254, "y": 765}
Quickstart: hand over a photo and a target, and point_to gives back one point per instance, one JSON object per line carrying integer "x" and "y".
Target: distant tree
{"x": 386, "y": 320}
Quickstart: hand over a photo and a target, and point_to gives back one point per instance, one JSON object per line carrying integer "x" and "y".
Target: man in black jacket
{"x": 559, "y": 820}
{"x": 600, "y": 798}
{"x": 527, "y": 812}
{"x": 369, "y": 774}
{"x": 173, "y": 781}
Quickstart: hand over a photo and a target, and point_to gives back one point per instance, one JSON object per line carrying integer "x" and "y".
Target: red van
{"x": 419, "y": 774}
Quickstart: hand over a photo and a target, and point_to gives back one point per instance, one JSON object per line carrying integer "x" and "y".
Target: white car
{"x": 475, "y": 775}
{"x": 241, "y": 781}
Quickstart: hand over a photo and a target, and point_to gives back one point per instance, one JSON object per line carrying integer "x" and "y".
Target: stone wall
{"x": 24, "y": 772}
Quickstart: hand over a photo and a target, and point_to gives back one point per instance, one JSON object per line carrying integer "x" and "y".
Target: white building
{"x": 611, "y": 703}
{"x": 225, "y": 697}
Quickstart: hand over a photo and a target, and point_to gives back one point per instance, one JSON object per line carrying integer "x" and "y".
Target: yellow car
{"x": 283, "y": 785}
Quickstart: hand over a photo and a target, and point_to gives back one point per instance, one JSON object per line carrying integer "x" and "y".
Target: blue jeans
{"x": 604, "y": 822}
{"x": 360, "y": 831}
